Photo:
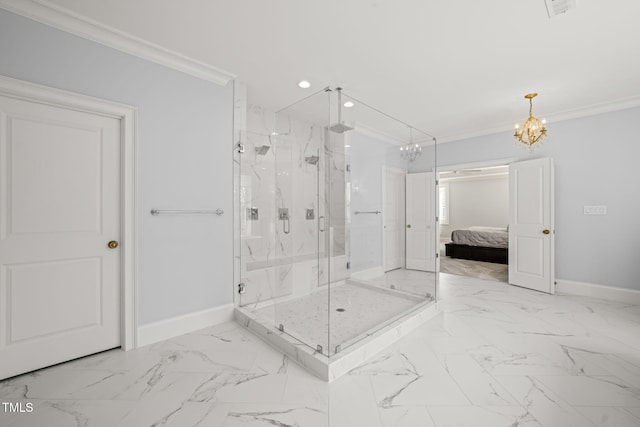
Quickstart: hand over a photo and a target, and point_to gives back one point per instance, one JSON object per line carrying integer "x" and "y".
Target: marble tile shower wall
{"x": 338, "y": 206}
{"x": 278, "y": 257}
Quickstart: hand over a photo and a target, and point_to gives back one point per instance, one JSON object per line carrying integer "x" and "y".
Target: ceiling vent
{"x": 559, "y": 7}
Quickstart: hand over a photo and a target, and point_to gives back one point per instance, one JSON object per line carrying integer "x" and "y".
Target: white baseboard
{"x": 179, "y": 325}
{"x": 368, "y": 274}
{"x": 611, "y": 293}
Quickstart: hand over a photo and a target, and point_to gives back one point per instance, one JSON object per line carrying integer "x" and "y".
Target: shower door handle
{"x": 321, "y": 223}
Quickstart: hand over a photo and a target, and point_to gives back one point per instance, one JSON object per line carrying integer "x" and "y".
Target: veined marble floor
{"x": 496, "y": 356}
{"x": 477, "y": 269}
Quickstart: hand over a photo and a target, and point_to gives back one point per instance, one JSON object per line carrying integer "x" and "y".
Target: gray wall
{"x": 596, "y": 163}
{"x": 367, "y": 156}
{"x": 480, "y": 201}
{"x": 185, "y": 160}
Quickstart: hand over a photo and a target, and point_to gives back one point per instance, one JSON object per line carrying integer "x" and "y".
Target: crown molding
{"x": 63, "y": 19}
{"x": 590, "y": 110}
{"x": 595, "y": 109}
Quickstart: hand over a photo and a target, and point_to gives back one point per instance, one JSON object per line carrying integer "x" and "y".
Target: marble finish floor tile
{"x": 606, "y": 416}
{"x": 477, "y": 416}
{"x": 477, "y": 269}
{"x": 495, "y": 356}
{"x": 406, "y": 416}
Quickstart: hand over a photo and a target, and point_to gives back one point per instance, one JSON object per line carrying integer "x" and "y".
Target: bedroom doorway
{"x": 473, "y": 210}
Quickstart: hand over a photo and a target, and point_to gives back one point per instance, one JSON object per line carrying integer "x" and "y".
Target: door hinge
{"x": 241, "y": 288}
{"x": 437, "y": 218}
{"x": 240, "y": 147}
{"x": 349, "y": 265}
{"x": 437, "y": 255}
{"x": 348, "y": 167}
{"x": 437, "y": 182}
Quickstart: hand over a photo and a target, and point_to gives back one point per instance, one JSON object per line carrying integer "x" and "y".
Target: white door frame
{"x": 461, "y": 166}
{"x": 386, "y": 169}
{"x": 127, "y": 115}
{"x": 474, "y": 165}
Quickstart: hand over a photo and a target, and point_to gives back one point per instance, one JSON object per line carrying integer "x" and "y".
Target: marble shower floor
{"x": 477, "y": 269}
{"x": 350, "y": 311}
{"x": 420, "y": 283}
{"x": 496, "y": 356}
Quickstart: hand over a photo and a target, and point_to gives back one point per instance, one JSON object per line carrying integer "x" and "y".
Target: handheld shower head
{"x": 262, "y": 150}
{"x": 312, "y": 160}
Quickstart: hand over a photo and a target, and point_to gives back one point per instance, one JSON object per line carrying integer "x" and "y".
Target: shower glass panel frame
{"x": 365, "y": 141}
{"x": 309, "y": 228}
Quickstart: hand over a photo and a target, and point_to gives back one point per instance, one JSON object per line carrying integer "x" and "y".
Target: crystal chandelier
{"x": 410, "y": 151}
{"x": 533, "y": 130}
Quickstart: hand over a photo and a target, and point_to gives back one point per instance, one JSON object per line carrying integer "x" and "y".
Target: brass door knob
{"x": 408, "y": 225}
{"x": 546, "y": 231}
{"x": 112, "y": 244}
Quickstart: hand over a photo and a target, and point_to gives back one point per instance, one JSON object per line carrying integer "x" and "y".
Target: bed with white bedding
{"x": 489, "y": 244}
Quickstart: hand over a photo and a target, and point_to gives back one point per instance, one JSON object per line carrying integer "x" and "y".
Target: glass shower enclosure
{"x": 323, "y": 233}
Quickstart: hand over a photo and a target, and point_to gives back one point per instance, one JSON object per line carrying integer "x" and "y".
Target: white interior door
{"x": 421, "y": 222}
{"x": 393, "y": 219}
{"x": 531, "y": 225}
{"x": 59, "y": 208}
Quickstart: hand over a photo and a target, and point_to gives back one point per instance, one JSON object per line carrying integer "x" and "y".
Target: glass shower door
{"x": 258, "y": 159}
{"x": 300, "y": 205}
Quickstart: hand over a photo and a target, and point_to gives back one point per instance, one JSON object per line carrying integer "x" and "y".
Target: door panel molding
{"x": 400, "y": 209}
{"x": 127, "y": 115}
{"x": 531, "y": 224}
{"x": 421, "y": 222}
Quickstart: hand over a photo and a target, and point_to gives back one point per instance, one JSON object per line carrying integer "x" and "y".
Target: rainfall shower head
{"x": 312, "y": 160}
{"x": 340, "y": 128}
{"x": 262, "y": 150}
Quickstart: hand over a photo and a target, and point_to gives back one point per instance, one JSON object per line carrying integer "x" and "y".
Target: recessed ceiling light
{"x": 304, "y": 84}
{"x": 348, "y": 104}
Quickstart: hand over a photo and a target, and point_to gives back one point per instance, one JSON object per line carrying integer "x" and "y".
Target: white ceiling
{"x": 453, "y": 68}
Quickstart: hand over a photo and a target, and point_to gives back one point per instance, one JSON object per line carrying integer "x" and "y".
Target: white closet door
{"x": 59, "y": 208}
{"x": 531, "y": 225}
{"x": 421, "y": 222}
{"x": 394, "y": 219}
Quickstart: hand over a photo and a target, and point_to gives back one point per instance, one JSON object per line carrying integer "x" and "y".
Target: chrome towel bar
{"x": 367, "y": 212}
{"x": 156, "y": 212}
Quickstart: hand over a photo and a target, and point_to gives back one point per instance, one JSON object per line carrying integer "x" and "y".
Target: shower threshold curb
{"x": 330, "y": 368}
